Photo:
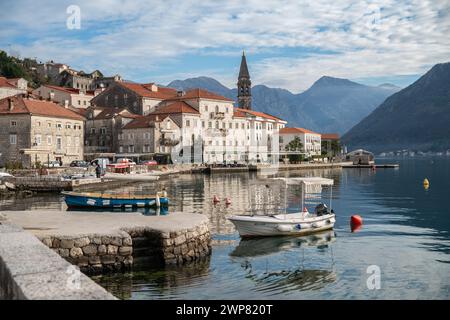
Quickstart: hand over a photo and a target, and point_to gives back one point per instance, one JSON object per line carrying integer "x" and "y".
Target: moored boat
{"x": 300, "y": 223}
{"x": 108, "y": 200}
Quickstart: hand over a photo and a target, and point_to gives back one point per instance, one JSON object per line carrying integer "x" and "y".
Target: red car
{"x": 149, "y": 163}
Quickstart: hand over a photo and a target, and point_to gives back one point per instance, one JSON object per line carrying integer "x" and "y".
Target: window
{"x": 49, "y": 140}
{"x": 120, "y": 149}
{"x": 226, "y": 109}
{"x": 188, "y": 123}
{"x": 37, "y": 140}
{"x": 59, "y": 126}
{"x": 131, "y": 148}
{"x": 130, "y": 136}
{"x": 217, "y": 124}
{"x": 209, "y": 124}
{"x": 38, "y": 123}
{"x": 77, "y": 141}
{"x": 237, "y": 126}
{"x": 243, "y": 126}
{"x": 203, "y": 124}
{"x": 58, "y": 143}
{"x": 84, "y": 102}
{"x": 69, "y": 141}
{"x": 13, "y": 123}
{"x": 217, "y": 109}
{"x": 103, "y": 130}
{"x": 146, "y": 135}
{"x": 231, "y": 125}
{"x": 68, "y": 126}
{"x": 206, "y": 108}
{"x": 79, "y": 102}
{"x": 92, "y": 130}
{"x": 13, "y": 139}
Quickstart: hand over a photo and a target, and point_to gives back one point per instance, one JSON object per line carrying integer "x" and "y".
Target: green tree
{"x": 295, "y": 145}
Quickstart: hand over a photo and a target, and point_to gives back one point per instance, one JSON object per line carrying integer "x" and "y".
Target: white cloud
{"x": 128, "y": 37}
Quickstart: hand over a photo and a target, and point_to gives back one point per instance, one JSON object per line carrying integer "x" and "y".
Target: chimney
{"x": 180, "y": 93}
{"x": 157, "y": 118}
{"x": 66, "y": 104}
{"x": 10, "y": 104}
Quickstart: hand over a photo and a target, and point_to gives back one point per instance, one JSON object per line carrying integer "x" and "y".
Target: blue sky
{"x": 289, "y": 44}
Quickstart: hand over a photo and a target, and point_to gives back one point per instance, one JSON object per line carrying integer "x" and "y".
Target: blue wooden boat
{"x": 109, "y": 200}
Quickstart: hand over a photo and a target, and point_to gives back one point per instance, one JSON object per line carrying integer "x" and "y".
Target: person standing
{"x": 98, "y": 171}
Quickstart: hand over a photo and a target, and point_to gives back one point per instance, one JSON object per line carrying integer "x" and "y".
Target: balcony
{"x": 217, "y": 115}
{"x": 168, "y": 142}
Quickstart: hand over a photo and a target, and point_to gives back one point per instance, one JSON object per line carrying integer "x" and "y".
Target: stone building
{"x": 150, "y": 135}
{"x": 331, "y": 145}
{"x": 311, "y": 141}
{"x": 12, "y": 87}
{"x": 65, "y": 96}
{"x": 138, "y": 98}
{"x": 103, "y": 127}
{"x": 35, "y": 131}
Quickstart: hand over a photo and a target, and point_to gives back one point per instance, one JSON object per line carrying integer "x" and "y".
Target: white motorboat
{"x": 299, "y": 223}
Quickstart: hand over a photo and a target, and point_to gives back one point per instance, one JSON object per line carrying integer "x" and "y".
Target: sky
{"x": 288, "y": 44}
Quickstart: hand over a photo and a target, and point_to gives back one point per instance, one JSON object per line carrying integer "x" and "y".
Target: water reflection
{"x": 268, "y": 245}
{"x": 260, "y": 258}
{"x": 159, "y": 282}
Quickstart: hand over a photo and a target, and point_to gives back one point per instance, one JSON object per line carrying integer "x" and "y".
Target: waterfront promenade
{"x": 99, "y": 242}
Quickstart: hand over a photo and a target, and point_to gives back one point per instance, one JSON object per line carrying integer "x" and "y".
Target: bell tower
{"x": 244, "y": 86}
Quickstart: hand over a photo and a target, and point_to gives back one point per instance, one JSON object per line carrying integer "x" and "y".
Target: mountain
{"x": 417, "y": 117}
{"x": 330, "y": 105}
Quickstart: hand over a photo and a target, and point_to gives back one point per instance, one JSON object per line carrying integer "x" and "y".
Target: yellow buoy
{"x": 426, "y": 183}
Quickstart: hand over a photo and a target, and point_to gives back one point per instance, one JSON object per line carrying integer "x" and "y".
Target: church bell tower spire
{"x": 244, "y": 85}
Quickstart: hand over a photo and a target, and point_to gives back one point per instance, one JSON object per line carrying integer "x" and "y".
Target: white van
{"x": 103, "y": 162}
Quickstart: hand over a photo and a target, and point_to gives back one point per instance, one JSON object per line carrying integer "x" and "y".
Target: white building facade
{"x": 311, "y": 141}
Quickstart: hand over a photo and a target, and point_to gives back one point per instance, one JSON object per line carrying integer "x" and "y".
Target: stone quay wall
{"x": 96, "y": 253}
{"x": 101, "y": 253}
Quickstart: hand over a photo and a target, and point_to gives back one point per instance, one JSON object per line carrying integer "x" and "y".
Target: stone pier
{"x": 99, "y": 242}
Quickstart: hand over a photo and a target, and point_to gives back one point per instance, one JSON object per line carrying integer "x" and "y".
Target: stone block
{"x": 67, "y": 243}
{"x": 81, "y": 242}
{"x": 94, "y": 260}
{"x": 125, "y": 251}
{"x": 127, "y": 241}
{"x": 111, "y": 249}
{"x": 76, "y": 252}
{"x": 90, "y": 250}
{"x": 101, "y": 250}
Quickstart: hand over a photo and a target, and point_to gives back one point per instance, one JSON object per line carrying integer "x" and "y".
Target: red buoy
{"x": 356, "y": 222}
{"x": 305, "y": 209}
{"x": 216, "y": 199}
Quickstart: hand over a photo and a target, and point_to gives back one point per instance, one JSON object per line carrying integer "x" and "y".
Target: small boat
{"x": 299, "y": 223}
{"x": 108, "y": 200}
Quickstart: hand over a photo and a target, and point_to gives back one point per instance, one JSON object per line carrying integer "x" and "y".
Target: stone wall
{"x": 95, "y": 254}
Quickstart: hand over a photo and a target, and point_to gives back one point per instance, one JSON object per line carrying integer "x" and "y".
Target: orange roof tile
{"x": 144, "y": 122}
{"x": 258, "y": 114}
{"x": 144, "y": 90}
{"x": 36, "y": 107}
{"x": 176, "y": 107}
{"x": 200, "y": 93}
{"x": 5, "y": 83}
{"x": 68, "y": 90}
{"x": 296, "y": 130}
{"x": 330, "y": 136}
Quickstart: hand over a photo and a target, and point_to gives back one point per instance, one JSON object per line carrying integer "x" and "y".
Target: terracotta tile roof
{"x": 36, "y": 107}
{"x": 296, "y": 130}
{"x": 81, "y": 111}
{"x": 200, "y": 93}
{"x": 108, "y": 113}
{"x": 238, "y": 113}
{"x": 144, "y": 90}
{"x": 68, "y": 90}
{"x": 5, "y": 83}
{"x": 258, "y": 114}
{"x": 330, "y": 136}
{"x": 144, "y": 122}
{"x": 176, "y": 107}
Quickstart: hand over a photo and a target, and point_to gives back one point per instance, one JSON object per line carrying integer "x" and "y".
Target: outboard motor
{"x": 321, "y": 209}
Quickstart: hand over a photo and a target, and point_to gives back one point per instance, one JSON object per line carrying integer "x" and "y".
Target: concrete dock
{"x": 98, "y": 242}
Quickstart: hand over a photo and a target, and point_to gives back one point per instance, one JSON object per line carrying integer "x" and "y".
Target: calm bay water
{"x": 406, "y": 233}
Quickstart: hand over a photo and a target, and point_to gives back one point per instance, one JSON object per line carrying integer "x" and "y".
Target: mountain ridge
{"x": 329, "y": 105}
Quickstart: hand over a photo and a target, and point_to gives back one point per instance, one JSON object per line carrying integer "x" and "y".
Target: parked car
{"x": 149, "y": 163}
{"x": 52, "y": 164}
{"x": 125, "y": 160}
{"x": 79, "y": 163}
